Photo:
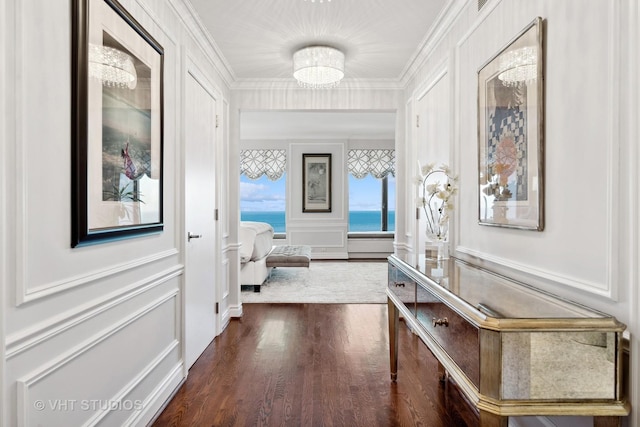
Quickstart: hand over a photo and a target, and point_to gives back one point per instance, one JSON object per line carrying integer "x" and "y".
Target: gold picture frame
{"x": 511, "y": 133}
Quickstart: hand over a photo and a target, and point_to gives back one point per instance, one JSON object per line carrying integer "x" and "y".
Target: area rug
{"x": 324, "y": 282}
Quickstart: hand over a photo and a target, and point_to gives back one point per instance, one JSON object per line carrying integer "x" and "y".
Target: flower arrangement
{"x": 438, "y": 188}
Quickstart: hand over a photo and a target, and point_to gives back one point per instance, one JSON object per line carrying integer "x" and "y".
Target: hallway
{"x": 314, "y": 365}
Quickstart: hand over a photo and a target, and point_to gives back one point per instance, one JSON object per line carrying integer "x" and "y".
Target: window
{"x": 263, "y": 200}
{"x": 262, "y": 187}
{"x": 372, "y": 188}
{"x": 368, "y": 204}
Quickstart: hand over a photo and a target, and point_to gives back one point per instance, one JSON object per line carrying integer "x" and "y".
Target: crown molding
{"x": 447, "y": 17}
{"x": 193, "y": 24}
{"x": 290, "y": 84}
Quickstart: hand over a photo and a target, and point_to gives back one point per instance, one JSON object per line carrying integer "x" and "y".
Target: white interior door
{"x": 200, "y": 252}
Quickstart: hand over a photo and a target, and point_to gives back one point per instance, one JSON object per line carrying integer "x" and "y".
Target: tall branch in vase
{"x": 439, "y": 186}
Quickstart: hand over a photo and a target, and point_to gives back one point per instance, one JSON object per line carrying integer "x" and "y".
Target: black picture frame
{"x": 117, "y": 125}
{"x": 316, "y": 183}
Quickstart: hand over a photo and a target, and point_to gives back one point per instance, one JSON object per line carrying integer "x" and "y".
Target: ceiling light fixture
{"x": 112, "y": 66}
{"x": 318, "y": 67}
{"x": 519, "y": 65}
{"x": 320, "y": 1}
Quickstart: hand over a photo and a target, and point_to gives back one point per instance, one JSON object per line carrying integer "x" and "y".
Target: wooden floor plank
{"x": 314, "y": 365}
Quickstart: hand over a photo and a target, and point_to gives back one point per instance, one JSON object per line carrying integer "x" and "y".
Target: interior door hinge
{"x": 217, "y": 308}
{"x": 417, "y": 213}
{"x": 217, "y": 121}
{"x": 417, "y": 120}
{"x": 216, "y": 214}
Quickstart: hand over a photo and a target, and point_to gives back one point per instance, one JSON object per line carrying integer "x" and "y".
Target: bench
{"x": 289, "y": 256}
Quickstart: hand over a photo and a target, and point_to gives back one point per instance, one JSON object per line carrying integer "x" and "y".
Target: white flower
{"x": 426, "y": 169}
{"x": 438, "y": 188}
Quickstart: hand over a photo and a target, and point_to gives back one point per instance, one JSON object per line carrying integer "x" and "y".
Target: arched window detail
{"x": 377, "y": 162}
{"x": 255, "y": 163}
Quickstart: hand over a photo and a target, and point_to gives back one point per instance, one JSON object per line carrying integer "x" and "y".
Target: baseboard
{"x": 161, "y": 397}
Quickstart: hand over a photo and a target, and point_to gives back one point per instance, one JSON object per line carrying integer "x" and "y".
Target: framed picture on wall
{"x": 511, "y": 133}
{"x": 316, "y": 183}
{"x": 116, "y": 125}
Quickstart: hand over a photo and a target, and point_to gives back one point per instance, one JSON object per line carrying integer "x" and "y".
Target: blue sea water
{"x": 358, "y": 220}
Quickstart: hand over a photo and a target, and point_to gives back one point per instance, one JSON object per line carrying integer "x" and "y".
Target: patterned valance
{"x": 255, "y": 163}
{"x": 377, "y": 162}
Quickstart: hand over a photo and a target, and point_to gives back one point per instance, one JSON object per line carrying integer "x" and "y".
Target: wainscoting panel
{"x": 579, "y": 247}
{"x": 64, "y": 391}
{"x": 326, "y": 243}
{"x": 45, "y": 263}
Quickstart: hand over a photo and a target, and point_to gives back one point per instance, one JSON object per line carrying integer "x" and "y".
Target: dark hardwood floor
{"x": 314, "y": 365}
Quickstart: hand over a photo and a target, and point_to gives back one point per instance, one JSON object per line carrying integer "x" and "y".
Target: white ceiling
{"x": 257, "y": 38}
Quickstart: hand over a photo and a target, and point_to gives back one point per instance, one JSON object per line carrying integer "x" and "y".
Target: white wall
{"x": 84, "y": 327}
{"x": 588, "y": 250}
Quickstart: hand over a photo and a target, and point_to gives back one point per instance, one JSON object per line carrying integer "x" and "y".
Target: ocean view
{"x": 358, "y": 220}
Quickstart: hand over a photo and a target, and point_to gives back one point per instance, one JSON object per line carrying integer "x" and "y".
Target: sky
{"x": 263, "y": 195}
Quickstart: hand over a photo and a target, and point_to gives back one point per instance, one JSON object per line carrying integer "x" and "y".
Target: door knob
{"x": 193, "y": 236}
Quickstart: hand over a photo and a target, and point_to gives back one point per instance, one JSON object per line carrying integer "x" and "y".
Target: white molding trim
{"x": 25, "y": 294}
{"x": 5, "y": 216}
{"x": 440, "y": 70}
{"x": 447, "y": 17}
{"x": 486, "y": 11}
{"x": 235, "y": 311}
{"x": 201, "y": 36}
{"x": 25, "y": 383}
{"x": 609, "y": 289}
{"x": 330, "y": 255}
{"x": 137, "y": 380}
{"x": 159, "y": 26}
{"x": 539, "y": 273}
{"x": 159, "y": 397}
{"x": 225, "y": 319}
{"x": 194, "y": 69}
{"x": 290, "y": 84}
{"x": 32, "y": 337}
{"x": 226, "y": 269}
{"x": 614, "y": 196}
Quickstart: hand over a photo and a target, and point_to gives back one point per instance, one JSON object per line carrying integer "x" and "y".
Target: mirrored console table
{"x": 513, "y": 350}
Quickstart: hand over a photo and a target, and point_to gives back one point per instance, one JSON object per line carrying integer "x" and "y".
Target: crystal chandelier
{"x": 112, "y": 66}
{"x": 519, "y": 65}
{"x": 318, "y": 67}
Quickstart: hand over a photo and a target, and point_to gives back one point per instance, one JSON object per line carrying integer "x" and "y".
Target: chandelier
{"x": 318, "y": 67}
{"x": 519, "y": 65}
{"x": 112, "y": 66}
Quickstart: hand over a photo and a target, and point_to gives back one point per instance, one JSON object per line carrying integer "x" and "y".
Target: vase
{"x": 436, "y": 249}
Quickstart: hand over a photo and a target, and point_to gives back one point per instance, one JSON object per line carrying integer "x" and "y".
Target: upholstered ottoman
{"x": 289, "y": 256}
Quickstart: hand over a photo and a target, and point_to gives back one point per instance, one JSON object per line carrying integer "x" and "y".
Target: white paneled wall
{"x": 588, "y": 251}
{"x": 91, "y": 335}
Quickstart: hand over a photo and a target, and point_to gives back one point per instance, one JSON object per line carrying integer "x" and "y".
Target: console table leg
{"x": 487, "y": 419}
{"x": 442, "y": 372}
{"x": 393, "y": 338}
{"x": 607, "y": 422}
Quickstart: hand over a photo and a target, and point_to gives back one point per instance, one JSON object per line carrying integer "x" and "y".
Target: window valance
{"x": 377, "y": 162}
{"x": 255, "y": 163}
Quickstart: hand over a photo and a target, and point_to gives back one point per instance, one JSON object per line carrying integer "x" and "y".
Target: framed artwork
{"x": 316, "y": 183}
{"x": 117, "y": 75}
{"x": 511, "y": 133}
